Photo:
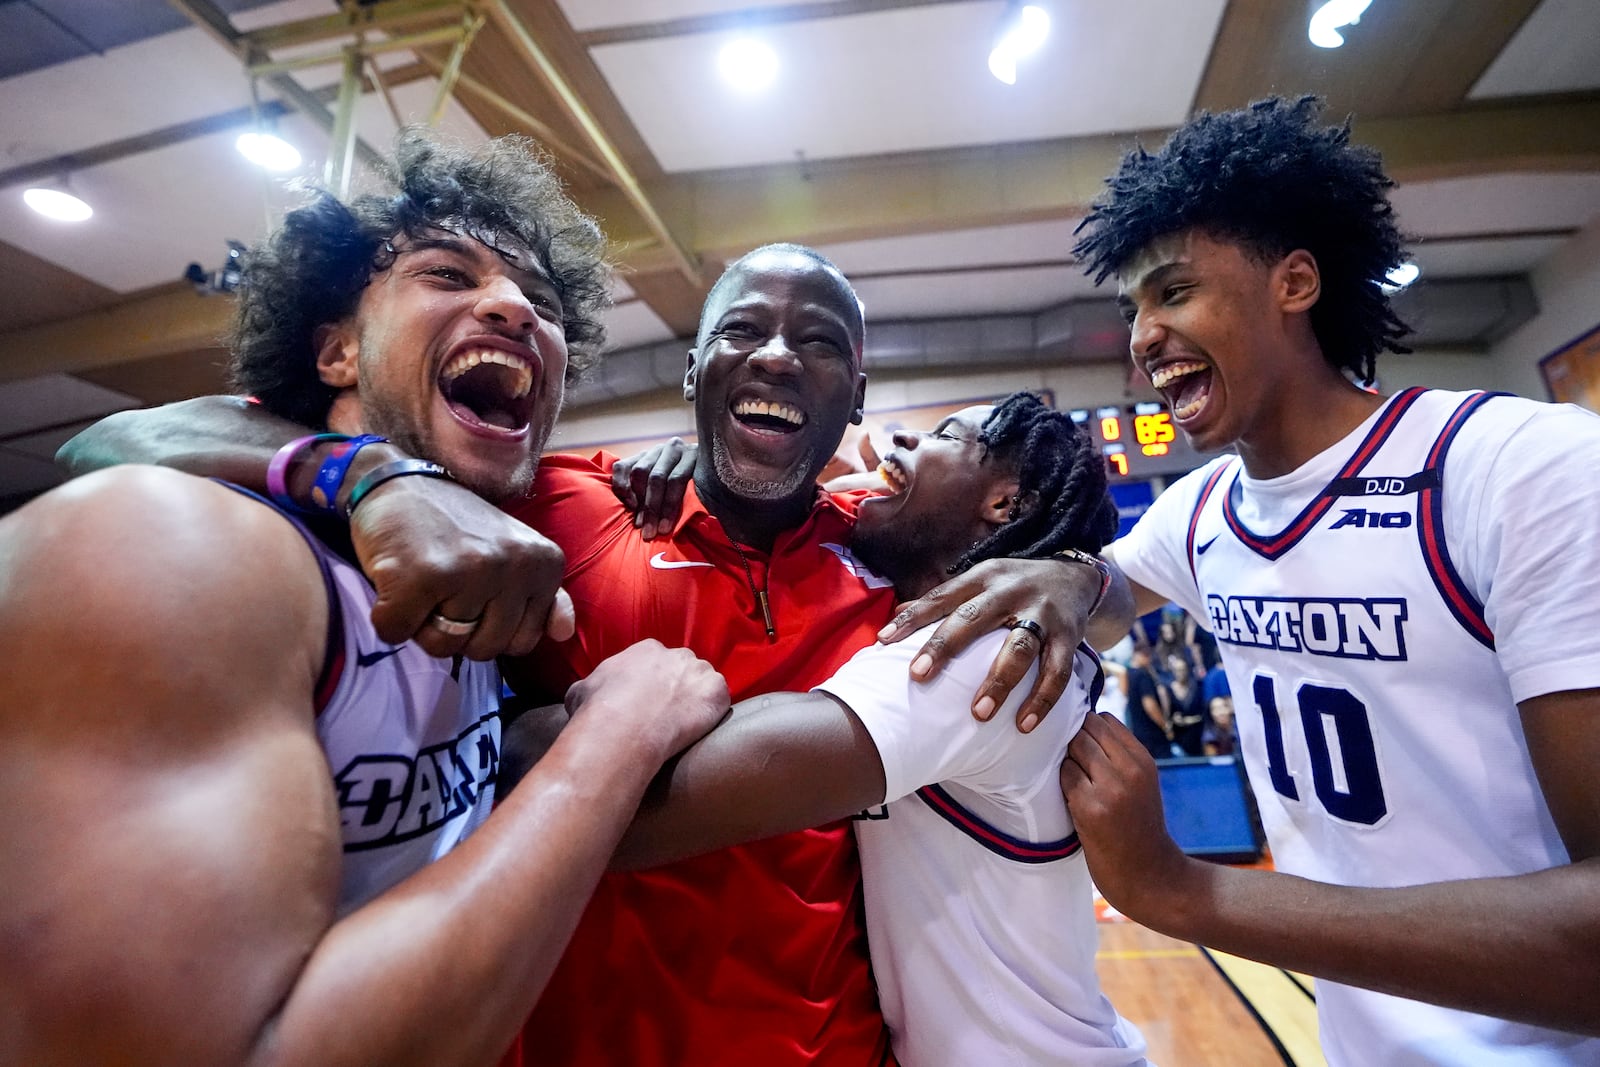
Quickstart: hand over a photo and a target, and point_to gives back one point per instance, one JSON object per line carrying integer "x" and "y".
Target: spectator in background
{"x": 1147, "y": 706}
{"x": 1169, "y": 643}
{"x": 1219, "y": 738}
{"x": 1186, "y": 706}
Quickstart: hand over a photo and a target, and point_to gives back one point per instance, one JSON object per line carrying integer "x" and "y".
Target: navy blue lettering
{"x": 388, "y": 798}
{"x": 1343, "y": 627}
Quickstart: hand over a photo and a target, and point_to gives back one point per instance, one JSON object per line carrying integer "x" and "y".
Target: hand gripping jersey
{"x": 1380, "y": 612}
{"x": 980, "y": 911}
{"x": 413, "y": 741}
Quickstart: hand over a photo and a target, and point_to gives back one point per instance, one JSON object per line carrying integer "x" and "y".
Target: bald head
{"x": 782, "y": 257}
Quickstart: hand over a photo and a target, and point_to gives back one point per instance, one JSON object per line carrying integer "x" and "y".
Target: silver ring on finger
{"x": 453, "y": 627}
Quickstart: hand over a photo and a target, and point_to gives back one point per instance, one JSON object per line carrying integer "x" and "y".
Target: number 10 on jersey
{"x": 1337, "y": 735}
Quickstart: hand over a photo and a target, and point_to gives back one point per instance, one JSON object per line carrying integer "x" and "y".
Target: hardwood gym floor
{"x": 1199, "y": 1008}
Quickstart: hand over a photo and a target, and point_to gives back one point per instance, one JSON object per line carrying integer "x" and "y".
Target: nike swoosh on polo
{"x": 367, "y": 659}
{"x": 661, "y": 563}
{"x": 1202, "y": 549}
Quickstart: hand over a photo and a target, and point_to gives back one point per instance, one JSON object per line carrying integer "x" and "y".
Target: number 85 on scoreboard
{"x": 1138, "y": 439}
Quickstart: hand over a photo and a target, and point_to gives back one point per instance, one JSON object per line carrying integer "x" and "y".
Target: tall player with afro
{"x": 1404, "y": 589}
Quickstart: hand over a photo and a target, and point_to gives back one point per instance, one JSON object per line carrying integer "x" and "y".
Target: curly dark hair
{"x": 312, "y": 270}
{"x": 1062, "y": 493}
{"x": 1273, "y": 179}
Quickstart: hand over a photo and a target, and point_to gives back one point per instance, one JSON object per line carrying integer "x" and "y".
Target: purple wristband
{"x": 283, "y": 459}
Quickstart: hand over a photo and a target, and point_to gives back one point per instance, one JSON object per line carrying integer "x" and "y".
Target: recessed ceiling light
{"x": 1326, "y": 20}
{"x": 268, "y": 150}
{"x": 1022, "y": 31}
{"x": 57, "y": 204}
{"x": 747, "y": 64}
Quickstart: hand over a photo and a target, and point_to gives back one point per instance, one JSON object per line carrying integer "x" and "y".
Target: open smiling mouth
{"x": 1185, "y": 383}
{"x": 769, "y": 417}
{"x": 895, "y": 479}
{"x": 489, "y": 387}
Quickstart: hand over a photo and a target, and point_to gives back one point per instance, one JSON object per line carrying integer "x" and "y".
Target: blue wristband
{"x": 278, "y": 469}
{"x": 330, "y": 476}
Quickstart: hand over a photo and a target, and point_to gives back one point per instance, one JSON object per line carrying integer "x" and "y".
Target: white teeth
{"x": 1188, "y": 409}
{"x": 787, "y": 412}
{"x": 1164, "y": 376}
{"x": 893, "y": 475}
{"x": 521, "y": 384}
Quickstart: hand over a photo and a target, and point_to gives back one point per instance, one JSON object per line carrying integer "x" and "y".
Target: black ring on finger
{"x": 1030, "y": 625}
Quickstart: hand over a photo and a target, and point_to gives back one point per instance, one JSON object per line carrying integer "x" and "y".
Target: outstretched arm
{"x": 1477, "y": 945}
{"x": 426, "y": 544}
{"x": 171, "y": 854}
{"x": 781, "y": 763}
{"x": 223, "y": 437}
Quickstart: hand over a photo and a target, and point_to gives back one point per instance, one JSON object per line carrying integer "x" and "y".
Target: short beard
{"x": 798, "y": 478}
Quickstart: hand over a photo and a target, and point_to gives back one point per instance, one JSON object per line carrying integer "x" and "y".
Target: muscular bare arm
{"x": 1524, "y": 948}
{"x": 223, "y": 437}
{"x": 426, "y": 544}
{"x": 170, "y": 856}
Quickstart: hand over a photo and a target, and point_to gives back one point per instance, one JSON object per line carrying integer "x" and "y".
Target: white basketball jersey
{"x": 980, "y": 911}
{"x": 1380, "y": 733}
{"x": 412, "y": 741}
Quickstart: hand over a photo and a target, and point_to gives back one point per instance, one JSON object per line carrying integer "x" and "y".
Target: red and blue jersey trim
{"x": 1273, "y": 547}
{"x": 333, "y": 655}
{"x": 995, "y": 840}
{"x": 1194, "y": 516}
{"x": 991, "y": 837}
{"x": 1430, "y": 530}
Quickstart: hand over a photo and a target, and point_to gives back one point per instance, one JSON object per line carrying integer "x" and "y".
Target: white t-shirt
{"x": 980, "y": 912}
{"x": 1380, "y": 611}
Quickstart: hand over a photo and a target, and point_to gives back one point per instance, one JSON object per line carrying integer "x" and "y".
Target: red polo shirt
{"x": 752, "y": 955}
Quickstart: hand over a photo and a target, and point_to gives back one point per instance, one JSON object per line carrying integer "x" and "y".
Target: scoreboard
{"x": 1139, "y": 440}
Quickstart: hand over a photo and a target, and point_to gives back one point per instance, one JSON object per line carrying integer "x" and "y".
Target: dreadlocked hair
{"x": 1270, "y": 178}
{"x": 1062, "y": 497}
{"x": 313, "y": 269}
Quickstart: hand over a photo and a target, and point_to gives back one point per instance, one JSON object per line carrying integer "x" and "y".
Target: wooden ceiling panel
{"x": 39, "y": 291}
{"x": 674, "y": 299}
{"x": 496, "y": 61}
{"x": 1409, "y": 58}
{"x": 163, "y": 379}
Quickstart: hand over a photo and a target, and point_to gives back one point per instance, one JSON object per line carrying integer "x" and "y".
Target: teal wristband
{"x": 395, "y": 468}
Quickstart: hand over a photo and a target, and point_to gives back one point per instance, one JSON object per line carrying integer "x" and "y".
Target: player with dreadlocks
{"x": 961, "y": 809}
{"x": 1384, "y": 575}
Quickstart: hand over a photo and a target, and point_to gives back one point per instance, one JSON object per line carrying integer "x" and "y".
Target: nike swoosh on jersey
{"x": 1202, "y": 549}
{"x": 367, "y": 659}
{"x": 661, "y": 563}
